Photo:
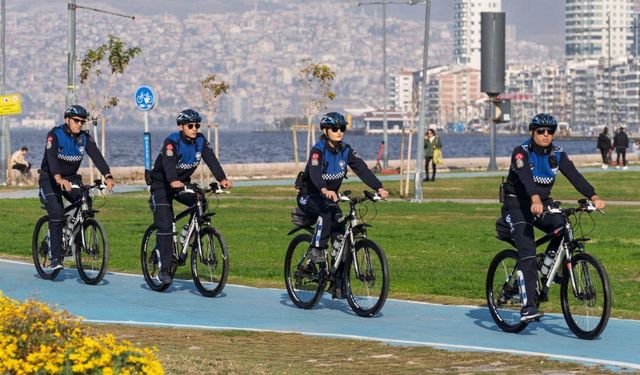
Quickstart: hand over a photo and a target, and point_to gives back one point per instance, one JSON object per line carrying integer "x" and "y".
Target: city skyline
{"x": 255, "y": 46}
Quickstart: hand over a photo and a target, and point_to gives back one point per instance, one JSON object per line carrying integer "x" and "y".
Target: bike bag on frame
{"x": 301, "y": 219}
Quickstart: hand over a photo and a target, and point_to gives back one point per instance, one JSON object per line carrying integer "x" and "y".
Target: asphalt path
{"x": 123, "y": 298}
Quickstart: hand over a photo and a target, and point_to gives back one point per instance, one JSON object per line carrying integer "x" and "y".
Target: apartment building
{"x": 466, "y": 29}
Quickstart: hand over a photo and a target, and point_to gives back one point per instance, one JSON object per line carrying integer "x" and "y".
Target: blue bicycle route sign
{"x": 145, "y": 98}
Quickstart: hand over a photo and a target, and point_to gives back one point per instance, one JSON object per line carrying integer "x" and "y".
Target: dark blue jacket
{"x": 64, "y": 152}
{"x": 327, "y": 167}
{"x": 534, "y": 169}
{"x": 180, "y": 156}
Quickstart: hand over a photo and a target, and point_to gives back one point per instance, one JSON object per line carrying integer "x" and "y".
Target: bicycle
{"x": 585, "y": 294}
{"x": 356, "y": 260}
{"x": 209, "y": 258}
{"x": 89, "y": 246}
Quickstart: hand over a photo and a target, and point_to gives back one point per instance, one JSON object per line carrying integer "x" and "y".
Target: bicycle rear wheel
{"x": 150, "y": 260}
{"x": 210, "y": 263}
{"x": 587, "y": 308}
{"x": 367, "y": 287}
{"x": 305, "y": 280}
{"x": 503, "y": 297}
{"x": 41, "y": 249}
{"x": 92, "y": 258}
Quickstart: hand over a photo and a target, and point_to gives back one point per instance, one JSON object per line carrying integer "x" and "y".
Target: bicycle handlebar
{"x": 346, "y": 197}
{"x": 97, "y": 185}
{"x": 585, "y": 205}
{"x": 193, "y": 188}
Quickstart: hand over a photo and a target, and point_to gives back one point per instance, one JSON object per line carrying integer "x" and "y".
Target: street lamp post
{"x": 423, "y": 102}
{"x": 4, "y": 129}
{"x": 70, "y": 97}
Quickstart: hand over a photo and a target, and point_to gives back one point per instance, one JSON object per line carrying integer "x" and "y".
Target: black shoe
{"x": 165, "y": 276}
{"x": 56, "y": 264}
{"x": 530, "y": 313}
{"x": 425, "y": 179}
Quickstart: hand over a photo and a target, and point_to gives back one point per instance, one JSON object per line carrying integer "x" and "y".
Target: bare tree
{"x": 211, "y": 89}
{"x": 99, "y": 72}
{"x": 315, "y": 80}
{"x": 93, "y": 67}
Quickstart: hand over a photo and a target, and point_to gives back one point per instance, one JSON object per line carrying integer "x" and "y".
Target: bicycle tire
{"x": 501, "y": 288}
{"x": 305, "y": 280}
{"x": 211, "y": 257}
{"x": 92, "y": 259}
{"x": 149, "y": 262}
{"x": 585, "y": 319}
{"x": 40, "y": 249}
{"x": 366, "y": 293}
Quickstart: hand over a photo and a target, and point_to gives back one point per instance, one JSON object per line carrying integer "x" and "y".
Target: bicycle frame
{"x": 197, "y": 218}
{"x": 563, "y": 253}
{"x": 349, "y": 237}
{"x": 82, "y": 210}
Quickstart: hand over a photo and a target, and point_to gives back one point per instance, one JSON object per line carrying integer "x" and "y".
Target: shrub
{"x": 35, "y": 339}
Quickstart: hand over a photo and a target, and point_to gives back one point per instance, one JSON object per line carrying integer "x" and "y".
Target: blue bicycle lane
{"x": 123, "y": 298}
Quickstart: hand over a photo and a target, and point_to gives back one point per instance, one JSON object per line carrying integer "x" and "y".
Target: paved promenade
{"x": 126, "y": 299}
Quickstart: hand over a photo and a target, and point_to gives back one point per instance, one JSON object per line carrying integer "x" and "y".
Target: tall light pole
{"x": 609, "y": 72}
{"x": 70, "y": 97}
{"x": 423, "y": 102}
{"x": 385, "y": 124}
{"x": 4, "y": 129}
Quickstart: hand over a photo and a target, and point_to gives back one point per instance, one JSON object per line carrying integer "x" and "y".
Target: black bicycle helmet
{"x": 543, "y": 120}
{"x": 188, "y": 116}
{"x": 76, "y": 111}
{"x": 332, "y": 119}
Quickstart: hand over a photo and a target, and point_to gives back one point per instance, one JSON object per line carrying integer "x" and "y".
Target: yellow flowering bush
{"x": 35, "y": 339}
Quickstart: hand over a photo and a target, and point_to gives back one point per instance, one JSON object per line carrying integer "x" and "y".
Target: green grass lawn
{"x": 437, "y": 251}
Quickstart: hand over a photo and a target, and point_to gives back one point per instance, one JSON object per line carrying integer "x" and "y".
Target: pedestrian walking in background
{"x": 621, "y": 144}
{"x": 432, "y": 145}
{"x": 604, "y": 145}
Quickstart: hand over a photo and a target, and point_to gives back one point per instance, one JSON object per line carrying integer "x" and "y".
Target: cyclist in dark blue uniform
{"x": 180, "y": 156}
{"x": 323, "y": 175}
{"x": 534, "y": 167}
{"x": 63, "y": 154}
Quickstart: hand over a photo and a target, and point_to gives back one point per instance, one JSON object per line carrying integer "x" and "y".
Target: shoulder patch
{"x": 315, "y": 159}
{"x": 169, "y": 149}
{"x": 49, "y": 141}
{"x": 519, "y": 160}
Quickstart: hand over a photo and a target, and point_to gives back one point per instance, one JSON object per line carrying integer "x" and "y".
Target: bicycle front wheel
{"x": 150, "y": 260}
{"x": 210, "y": 263}
{"x": 367, "y": 278}
{"x": 92, "y": 258}
{"x": 304, "y": 279}
{"x": 503, "y": 295}
{"x": 41, "y": 249}
{"x": 587, "y": 307}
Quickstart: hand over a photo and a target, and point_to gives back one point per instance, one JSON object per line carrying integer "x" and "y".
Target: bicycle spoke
{"x": 92, "y": 257}
{"x": 209, "y": 262}
{"x": 302, "y": 276}
{"x": 503, "y": 297}
{"x": 367, "y": 279}
{"x": 587, "y": 306}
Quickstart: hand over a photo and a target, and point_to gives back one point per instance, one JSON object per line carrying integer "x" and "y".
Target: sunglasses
{"x": 541, "y": 131}
{"x": 335, "y": 129}
{"x": 190, "y": 126}
{"x": 79, "y": 121}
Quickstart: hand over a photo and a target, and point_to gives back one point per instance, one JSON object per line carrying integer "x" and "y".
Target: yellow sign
{"x": 10, "y": 104}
